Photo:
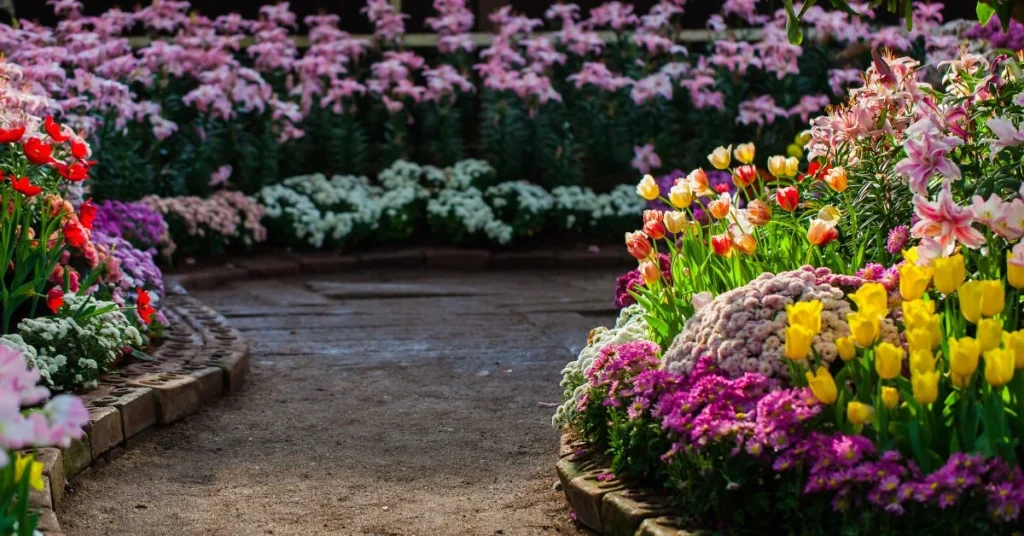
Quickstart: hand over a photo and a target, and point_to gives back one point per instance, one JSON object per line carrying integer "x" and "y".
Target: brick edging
{"x": 471, "y": 260}
{"x": 612, "y": 506}
{"x": 201, "y": 359}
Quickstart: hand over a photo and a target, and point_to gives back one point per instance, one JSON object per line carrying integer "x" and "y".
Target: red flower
{"x": 74, "y": 234}
{"x": 652, "y": 224}
{"x": 37, "y": 152}
{"x": 722, "y": 244}
{"x": 79, "y": 149}
{"x": 744, "y": 176}
{"x": 55, "y": 299}
{"x": 788, "y": 198}
{"x": 722, "y": 188}
{"x": 146, "y": 310}
{"x": 12, "y": 136}
{"x": 55, "y": 130}
{"x": 23, "y": 186}
{"x": 816, "y": 170}
{"x": 87, "y": 214}
{"x": 638, "y": 245}
{"x": 76, "y": 172}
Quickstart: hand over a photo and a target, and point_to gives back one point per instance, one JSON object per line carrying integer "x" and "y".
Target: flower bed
{"x": 875, "y": 389}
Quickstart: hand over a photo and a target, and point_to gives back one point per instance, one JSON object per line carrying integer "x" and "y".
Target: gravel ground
{"x": 379, "y": 403}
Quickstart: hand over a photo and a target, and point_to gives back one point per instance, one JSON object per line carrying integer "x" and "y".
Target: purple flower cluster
{"x": 135, "y": 222}
{"x": 753, "y": 416}
{"x": 993, "y": 32}
{"x": 888, "y": 277}
{"x": 138, "y": 267}
{"x": 628, "y": 282}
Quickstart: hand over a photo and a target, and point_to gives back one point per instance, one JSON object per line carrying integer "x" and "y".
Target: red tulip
{"x": 722, "y": 244}
{"x": 55, "y": 130}
{"x": 76, "y": 172}
{"x": 638, "y": 245}
{"x": 55, "y": 299}
{"x": 75, "y": 234}
{"x": 744, "y": 176}
{"x": 653, "y": 226}
{"x": 816, "y": 170}
{"x": 822, "y": 232}
{"x": 25, "y": 187}
{"x": 13, "y": 135}
{"x": 788, "y": 198}
{"x": 37, "y": 152}
{"x": 87, "y": 214}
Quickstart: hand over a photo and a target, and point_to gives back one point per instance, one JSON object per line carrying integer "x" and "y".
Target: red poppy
{"x": 37, "y": 152}
{"x": 12, "y": 136}
{"x": 788, "y": 198}
{"x": 55, "y": 130}
{"x": 79, "y": 149}
{"x": 146, "y": 310}
{"x": 23, "y": 186}
{"x": 74, "y": 234}
{"x": 55, "y": 299}
{"x": 87, "y": 214}
{"x": 76, "y": 172}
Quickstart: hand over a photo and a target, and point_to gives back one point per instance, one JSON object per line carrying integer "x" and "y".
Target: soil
{"x": 379, "y": 403}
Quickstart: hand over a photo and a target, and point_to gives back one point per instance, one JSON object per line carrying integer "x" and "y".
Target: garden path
{"x": 379, "y": 403}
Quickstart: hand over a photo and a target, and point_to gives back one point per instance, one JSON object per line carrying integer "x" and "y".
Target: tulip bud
{"x": 777, "y": 165}
{"x": 888, "y": 360}
{"x": 999, "y": 367}
{"x": 719, "y": 208}
{"x": 925, "y": 386}
{"x": 914, "y": 280}
{"x": 864, "y": 325}
{"x": 1015, "y": 266}
{"x": 744, "y": 176}
{"x": 722, "y": 244}
{"x": 871, "y": 297}
{"x": 836, "y": 179}
{"x": 746, "y": 243}
{"x": 918, "y": 339}
{"x": 847, "y": 349}
{"x": 821, "y": 232}
{"x": 795, "y": 151}
{"x": 798, "y": 342}
{"x": 650, "y": 272}
{"x": 823, "y": 386}
{"x": 680, "y": 195}
{"x": 647, "y": 188}
{"x": 990, "y": 333}
{"x": 792, "y": 166}
{"x": 638, "y": 245}
{"x": 759, "y": 212}
{"x": 859, "y": 413}
{"x": 949, "y": 273}
{"x": 806, "y": 314}
{"x": 720, "y": 158}
{"x": 829, "y": 213}
{"x": 890, "y": 397}
{"x": 675, "y": 222}
{"x": 697, "y": 180}
{"x": 652, "y": 224}
{"x": 980, "y": 298}
{"x": 745, "y": 153}
{"x": 993, "y": 298}
{"x": 963, "y": 356}
{"x": 922, "y": 360}
{"x": 788, "y": 198}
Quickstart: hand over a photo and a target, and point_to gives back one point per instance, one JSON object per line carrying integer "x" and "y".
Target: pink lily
{"x": 945, "y": 221}
{"x": 925, "y": 158}
{"x": 1007, "y": 135}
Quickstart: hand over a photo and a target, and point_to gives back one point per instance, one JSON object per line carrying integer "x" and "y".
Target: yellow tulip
{"x": 680, "y": 195}
{"x": 998, "y": 367}
{"x": 917, "y": 313}
{"x": 806, "y": 314}
{"x": 720, "y": 158}
{"x": 970, "y": 301}
{"x": 829, "y": 213}
{"x": 823, "y": 386}
{"x": 963, "y": 356}
{"x": 647, "y": 188}
{"x": 990, "y": 333}
{"x": 745, "y": 153}
{"x": 925, "y": 386}
{"x": 794, "y": 151}
{"x": 792, "y": 166}
{"x": 1014, "y": 271}
{"x": 798, "y": 342}
{"x": 777, "y": 165}
{"x": 28, "y": 466}
{"x": 888, "y": 360}
{"x": 675, "y": 222}
{"x": 836, "y": 179}
{"x": 935, "y": 327}
{"x": 949, "y": 273}
{"x": 890, "y": 397}
{"x": 1014, "y": 342}
{"x": 961, "y": 382}
{"x": 918, "y": 339}
{"x": 859, "y": 413}
{"x": 871, "y": 297}
{"x": 864, "y": 326}
{"x": 911, "y": 255}
{"x": 922, "y": 361}
{"x": 846, "y": 348}
{"x": 802, "y": 138}
{"x": 993, "y": 297}
{"x": 914, "y": 280}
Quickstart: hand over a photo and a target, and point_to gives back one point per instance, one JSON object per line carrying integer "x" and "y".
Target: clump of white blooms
{"x": 574, "y": 207}
{"x": 629, "y": 327}
{"x": 72, "y": 354}
{"x": 463, "y": 216}
{"x": 470, "y": 172}
{"x": 743, "y": 330}
{"x": 522, "y": 205}
{"x": 293, "y": 214}
{"x": 621, "y": 202}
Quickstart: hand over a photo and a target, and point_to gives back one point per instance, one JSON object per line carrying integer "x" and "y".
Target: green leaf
{"x": 985, "y": 12}
{"x": 141, "y": 356}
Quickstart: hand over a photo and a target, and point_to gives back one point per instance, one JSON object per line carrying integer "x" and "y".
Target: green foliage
{"x": 442, "y": 141}
{"x": 505, "y": 135}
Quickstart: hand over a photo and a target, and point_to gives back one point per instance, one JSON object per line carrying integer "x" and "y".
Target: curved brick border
{"x": 201, "y": 359}
{"x": 612, "y": 507}
{"x": 289, "y": 264}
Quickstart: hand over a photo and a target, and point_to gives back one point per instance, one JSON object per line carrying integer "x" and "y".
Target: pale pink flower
{"x": 1007, "y": 135}
{"x": 221, "y": 176}
{"x": 645, "y": 159}
{"x": 986, "y": 212}
{"x": 700, "y": 300}
{"x": 926, "y": 157}
{"x": 945, "y": 221}
{"x": 1010, "y": 224}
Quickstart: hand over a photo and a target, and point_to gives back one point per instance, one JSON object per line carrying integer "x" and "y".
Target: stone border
{"x": 201, "y": 359}
{"x": 471, "y": 260}
{"x": 611, "y": 506}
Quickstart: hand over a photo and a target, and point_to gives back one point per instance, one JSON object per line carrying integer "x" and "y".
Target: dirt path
{"x": 379, "y": 403}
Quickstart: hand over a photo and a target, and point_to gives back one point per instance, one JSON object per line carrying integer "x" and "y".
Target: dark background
{"x": 697, "y": 11}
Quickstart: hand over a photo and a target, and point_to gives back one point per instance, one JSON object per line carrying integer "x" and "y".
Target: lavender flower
{"x": 898, "y": 238}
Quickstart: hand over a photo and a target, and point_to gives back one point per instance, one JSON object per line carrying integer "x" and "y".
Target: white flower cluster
{"x": 463, "y": 215}
{"x": 71, "y": 354}
{"x": 316, "y": 209}
{"x": 529, "y": 197}
{"x": 574, "y": 207}
{"x": 629, "y": 327}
